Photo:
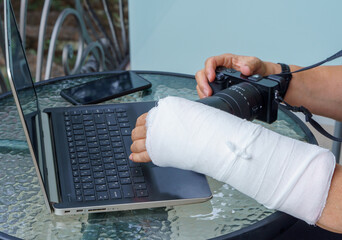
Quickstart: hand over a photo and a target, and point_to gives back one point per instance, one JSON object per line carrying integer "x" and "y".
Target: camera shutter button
{"x": 255, "y": 77}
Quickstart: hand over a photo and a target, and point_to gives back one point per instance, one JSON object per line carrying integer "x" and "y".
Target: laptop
{"x": 81, "y": 153}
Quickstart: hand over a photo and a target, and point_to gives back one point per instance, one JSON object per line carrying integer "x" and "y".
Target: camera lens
{"x": 243, "y": 100}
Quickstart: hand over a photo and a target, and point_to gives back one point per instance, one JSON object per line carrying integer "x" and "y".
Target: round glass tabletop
{"x": 24, "y": 214}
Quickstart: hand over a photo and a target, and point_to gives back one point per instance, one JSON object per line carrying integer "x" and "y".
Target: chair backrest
{"x": 97, "y": 30}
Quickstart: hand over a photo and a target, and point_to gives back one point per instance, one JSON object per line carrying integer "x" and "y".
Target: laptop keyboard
{"x": 100, "y": 166}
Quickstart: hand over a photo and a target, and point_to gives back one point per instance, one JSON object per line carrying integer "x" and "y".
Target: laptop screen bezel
{"x": 8, "y": 14}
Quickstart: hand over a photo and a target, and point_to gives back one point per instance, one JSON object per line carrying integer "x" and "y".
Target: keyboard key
{"x": 102, "y": 196}
{"x": 82, "y": 154}
{"x": 118, "y": 150}
{"x": 142, "y": 193}
{"x": 113, "y": 185}
{"x": 89, "y": 198}
{"x": 125, "y": 181}
{"x": 116, "y": 139}
{"x": 110, "y": 172}
{"x": 79, "y": 198}
{"x": 99, "y": 118}
{"x": 114, "y": 133}
{"x": 79, "y": 137}
{"x": 89, "y": 128}
{"x": 138, "y": 179}
{"x": 100, "y": 181}
{"x": 109, "y": 110}
{"x": 87, "y": 117}
{"x": 119, "y": 155}
{"x": 105, "y": 148}
{"x": 122, "y": 168}
{"x": 121, "y": 162}
{"x": 100, "y": 126}
{"x": 84, "y": 166}
{"x": 88, "y": 192}
{"x": 83, "y": 160}
{"x": 115, "y": 193}
{"x": 91, "y": 140}
{"x": 103, "y": 137}
{"x": 112, "y": 178}
{"x": 121, "y": 120}
{"x": 98, "y": 168}
{"x": 87, "y": 179}
{"x": 81, "y": 149}
{"x": 98, "y": 111}
{"x": 108, "y": 160}
{"x": 124, "y": 174}
{"x": 85, "y": 173}
{"x": 100, "y": 188}
{"x": 90, "y": 133}
{"x": 94, "y": 150}
{"x": 117, "y": 144}
{"x": 136, "y": 172}
{"x": 80, "y": 143}
{"x": 76, "y": 119}
{"x": 93, "y": 144}
{"x": 99, "y": 174}
{"x": 77, "y": 126}
{"x": 88, "y": 123}
{"x": 121, "y": 115}
{"x": 86, "y": 111}
{"x": 140, "y": 186}
{"x": 109, "y": 166}
{"x": 87, "y": 185}
{"x": 125, "y": 131}
{"x": 96, "y": 162}
{"x": 111, "y": 122}
{"x": 102, "y": 131}
{"x": 75, "y": 112}
{"x": 124, "y": 125}
{"x": 127, "y": 191}
{"x": 95, "y": 156}
{"x": 107, "y": 154}
{"x": 104, "y": 142}
{"x": 113, "y": 128}
{"x": 78, "y": 192}
{"x": 119, "y": 110}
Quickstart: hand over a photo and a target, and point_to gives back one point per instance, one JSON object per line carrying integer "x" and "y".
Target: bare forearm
{"x": 319, "y": 90}
{"x": 331, "y": 218}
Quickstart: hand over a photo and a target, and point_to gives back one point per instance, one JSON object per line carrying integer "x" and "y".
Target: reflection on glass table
{"x": 23, "y": 212}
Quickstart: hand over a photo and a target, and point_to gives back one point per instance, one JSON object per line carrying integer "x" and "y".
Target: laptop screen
{"x": 20, "y": 75}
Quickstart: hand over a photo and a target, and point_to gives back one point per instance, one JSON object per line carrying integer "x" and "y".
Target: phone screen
{"x": 111, "y": 86}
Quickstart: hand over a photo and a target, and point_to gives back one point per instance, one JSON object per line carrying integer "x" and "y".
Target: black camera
{"x": 247, "y": 97}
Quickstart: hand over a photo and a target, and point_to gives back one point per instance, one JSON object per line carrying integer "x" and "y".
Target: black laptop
{"x": 81, "y": 153}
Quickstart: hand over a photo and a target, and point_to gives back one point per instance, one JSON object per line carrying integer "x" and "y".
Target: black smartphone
{"x": 105, "y": 88}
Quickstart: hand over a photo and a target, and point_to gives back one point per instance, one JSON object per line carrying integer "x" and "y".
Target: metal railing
{"x": 100, "y": 45}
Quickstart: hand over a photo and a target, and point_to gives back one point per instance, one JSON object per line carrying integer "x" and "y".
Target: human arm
{"x": 318, "y": 89}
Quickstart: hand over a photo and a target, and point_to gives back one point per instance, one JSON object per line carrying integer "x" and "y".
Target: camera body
{"x": 247, "y": 97}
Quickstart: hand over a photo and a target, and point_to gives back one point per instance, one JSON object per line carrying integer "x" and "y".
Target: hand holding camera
{"x": 247, "y": 97}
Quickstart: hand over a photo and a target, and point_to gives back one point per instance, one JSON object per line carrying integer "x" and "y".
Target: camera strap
{"x": 305, "y": 111}
{"x": 308, "y": 118}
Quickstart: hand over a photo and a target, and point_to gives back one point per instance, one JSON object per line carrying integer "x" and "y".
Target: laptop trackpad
{"x": 175, "y": 183}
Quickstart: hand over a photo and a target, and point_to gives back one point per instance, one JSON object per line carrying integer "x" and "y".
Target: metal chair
{"x": 99, "y": 48}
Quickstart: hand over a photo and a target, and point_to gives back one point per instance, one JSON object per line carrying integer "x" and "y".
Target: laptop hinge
{"x": 49, "y": 158}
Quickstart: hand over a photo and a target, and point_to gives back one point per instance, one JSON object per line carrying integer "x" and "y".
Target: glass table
{"x": 23, "y": 213}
